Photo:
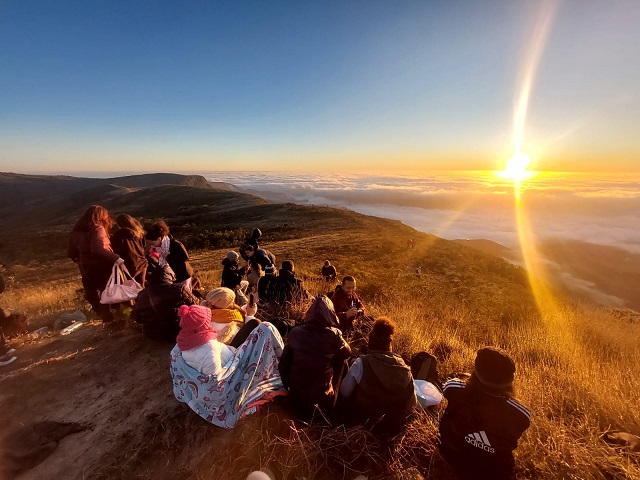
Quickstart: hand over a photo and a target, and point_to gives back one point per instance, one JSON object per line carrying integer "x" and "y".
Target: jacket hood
{"x": 287, "y": 274}
{"x": 321, "y": 314}
{"x": 390, "y": 369}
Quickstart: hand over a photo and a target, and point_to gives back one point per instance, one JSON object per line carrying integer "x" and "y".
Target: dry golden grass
{"x": 577, "y": 364}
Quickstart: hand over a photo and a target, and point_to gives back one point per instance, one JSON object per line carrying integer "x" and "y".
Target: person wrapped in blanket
{"x": 221, "y": 383}
{"x": 482, "y": 423}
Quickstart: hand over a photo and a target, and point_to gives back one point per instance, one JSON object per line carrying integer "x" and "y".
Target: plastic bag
{"x": 121, "y": 287}
{"x": 427, "y": 394}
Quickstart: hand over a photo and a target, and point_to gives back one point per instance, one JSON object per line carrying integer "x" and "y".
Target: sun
{"x": 516, "y": 168}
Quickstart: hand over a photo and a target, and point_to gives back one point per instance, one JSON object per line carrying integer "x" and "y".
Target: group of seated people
{"x": 224, "y": 378}
{"x": 227, "y": 363}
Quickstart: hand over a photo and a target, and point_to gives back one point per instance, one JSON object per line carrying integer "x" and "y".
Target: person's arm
{"x": 188, "y": 298}
{"x": 353, "y": 377}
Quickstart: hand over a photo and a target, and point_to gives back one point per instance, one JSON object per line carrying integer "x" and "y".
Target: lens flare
{"x": 516, "y": 168}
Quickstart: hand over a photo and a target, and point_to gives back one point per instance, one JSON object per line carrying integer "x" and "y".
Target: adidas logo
{"x": 480, "y": 440}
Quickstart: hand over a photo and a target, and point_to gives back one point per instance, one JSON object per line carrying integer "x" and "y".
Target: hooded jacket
{"x": 312, "y": 349}
{"x": 385, "y": 395}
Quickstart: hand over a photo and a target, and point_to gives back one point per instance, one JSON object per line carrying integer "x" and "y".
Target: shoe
{"x": 8, "y": 353}
{"x": 8, "y": 358}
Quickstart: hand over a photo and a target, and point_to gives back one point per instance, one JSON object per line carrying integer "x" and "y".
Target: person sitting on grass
{"x": 329, "y": 272}
{"x": 233, "y": 273}
{"x": 313, "y": 360}
{"x": 347, "y": 304}
{"x": 481, "y": 425}
{"x": 156, "y": 307}
{"x": 378, "y": 390}
{"x": 221, "y": 383}
{"x": 233, "y": 323}
{"x": 288, "y": 288}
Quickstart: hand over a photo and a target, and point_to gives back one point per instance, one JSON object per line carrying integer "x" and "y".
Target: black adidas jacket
{"x": 479, "y": 431}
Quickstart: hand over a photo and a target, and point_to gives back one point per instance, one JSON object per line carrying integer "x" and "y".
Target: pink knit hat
{"x": 195, "y": 327}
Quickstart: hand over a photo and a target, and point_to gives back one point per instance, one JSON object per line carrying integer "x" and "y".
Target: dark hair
{"x": 127, "y": 221}
{"x": 288, "y": 266}
{"x": 381, "y": 335}
{"x": 95, "y": 215}
{"x": 348, "y": 278}
{"x": 157, "y": 230}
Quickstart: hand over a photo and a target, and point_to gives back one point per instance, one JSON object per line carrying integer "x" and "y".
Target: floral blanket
{"x": 249, "y": 376}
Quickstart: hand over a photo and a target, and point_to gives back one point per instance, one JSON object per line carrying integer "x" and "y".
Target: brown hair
{"x": 381, "y": 335}
{"x": 348, "y": 278}
{"x": 127, "y": 221}
{"x": 158, "y": 230}
{"x": 95, "y": 215}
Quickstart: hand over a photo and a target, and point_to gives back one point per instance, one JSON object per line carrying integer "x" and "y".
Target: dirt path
{"x": 119, "y": 385}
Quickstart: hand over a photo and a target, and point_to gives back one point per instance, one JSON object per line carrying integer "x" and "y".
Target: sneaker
{"x": 8, "y": 353}
{"x": 8, "y": 358}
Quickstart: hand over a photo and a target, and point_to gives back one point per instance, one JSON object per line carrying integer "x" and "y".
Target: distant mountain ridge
{"x": 18, "y": 188}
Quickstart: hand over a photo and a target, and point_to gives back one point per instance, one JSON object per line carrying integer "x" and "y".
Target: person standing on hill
{"x": 329, "y": 272}
{"x": 313, "y": 360}
{"x": 378, "y": 389}
{"x": 251, "y": 252}
{"x": 90, "y": 248}
{"x": 171, "y": 252}
{"x": 482, "y": 423}
{"x": 128, "y": 242}
{"x": 347, "y": 304}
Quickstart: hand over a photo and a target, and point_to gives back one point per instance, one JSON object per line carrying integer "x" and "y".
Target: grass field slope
{"x": 577, "y": 363}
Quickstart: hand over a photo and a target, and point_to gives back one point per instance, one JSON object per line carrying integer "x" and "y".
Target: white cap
{"x": 265, "y": 474}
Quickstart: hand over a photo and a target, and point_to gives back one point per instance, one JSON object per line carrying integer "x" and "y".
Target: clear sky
{"x": 154, "y": 85}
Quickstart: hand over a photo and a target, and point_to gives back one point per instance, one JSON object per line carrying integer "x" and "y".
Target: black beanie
{"x": 494, "y": 368}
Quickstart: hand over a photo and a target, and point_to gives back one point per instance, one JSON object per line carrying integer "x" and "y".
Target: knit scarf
{"x": 226, "y": 315}
{"x": 163, "y": 250}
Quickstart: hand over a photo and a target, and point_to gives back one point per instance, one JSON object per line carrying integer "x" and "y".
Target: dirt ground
{"x": 118, "y": 385}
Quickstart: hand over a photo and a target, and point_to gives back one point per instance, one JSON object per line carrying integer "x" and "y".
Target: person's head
{"x": 157, "y": 231}
{"x": 288, "y": 266}
{"x": 162, "y": 276}
{"x": 95, "y": 215}
{"x": 381, "y": 335}
{"x": 220, "y": 297}
{"x": 127, "y": 221}
{"x": 348, "y": 285}
{"x": 327, "y": 263}
{"x": 494, "y": 369}
{"x": 232, "y": 257}
{"x": 321, "y": 314}
{"x": 269, "y": 269}
{"x": 249, "y": 251}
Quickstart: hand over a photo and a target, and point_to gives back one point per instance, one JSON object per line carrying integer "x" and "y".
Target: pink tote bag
{"x": 121, "y": 287}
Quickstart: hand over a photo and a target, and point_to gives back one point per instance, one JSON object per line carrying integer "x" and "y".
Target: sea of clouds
{"x": 597, "y": 208}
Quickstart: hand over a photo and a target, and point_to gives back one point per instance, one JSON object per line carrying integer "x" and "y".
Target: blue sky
{"x": 347, "y": 86}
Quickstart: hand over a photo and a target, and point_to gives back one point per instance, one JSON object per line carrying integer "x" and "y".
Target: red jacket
{"x": 342, "y": 303}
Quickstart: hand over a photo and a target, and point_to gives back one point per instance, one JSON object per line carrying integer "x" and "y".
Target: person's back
{"x": 378, "y": 390}
{"x": 130, "y": 247}
{"x": 482, "y": 423}
{"x": 156, "y": 307}
{"x": 288, "y": 289}
{"x": 312, "y": 354}
{"x": 385, "y": 396}
{"x": 266, "y": 287}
